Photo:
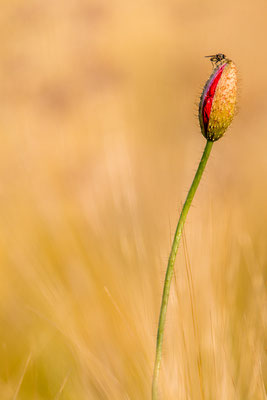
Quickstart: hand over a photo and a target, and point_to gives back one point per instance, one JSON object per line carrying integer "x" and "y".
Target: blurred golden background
{"x": 99, "y": 145}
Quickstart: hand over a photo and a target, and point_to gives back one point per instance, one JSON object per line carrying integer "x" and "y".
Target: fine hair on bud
{"x": 218, "y": 100}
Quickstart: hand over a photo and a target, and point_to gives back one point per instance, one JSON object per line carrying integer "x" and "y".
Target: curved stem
{"x": 169, "y": 272}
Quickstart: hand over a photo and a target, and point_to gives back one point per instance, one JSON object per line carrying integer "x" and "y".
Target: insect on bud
{"x": 218, "y": 100}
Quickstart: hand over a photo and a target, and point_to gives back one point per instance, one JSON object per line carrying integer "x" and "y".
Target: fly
{"x": 216, "y": 59}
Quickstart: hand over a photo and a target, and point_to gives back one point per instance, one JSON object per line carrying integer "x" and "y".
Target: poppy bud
{"x": 218, "y": 100}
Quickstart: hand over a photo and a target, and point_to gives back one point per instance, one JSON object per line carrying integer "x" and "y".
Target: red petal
{"x": 207, "y": 102}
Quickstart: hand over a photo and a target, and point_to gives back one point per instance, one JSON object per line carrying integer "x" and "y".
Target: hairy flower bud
{"x": 218, "y": 100}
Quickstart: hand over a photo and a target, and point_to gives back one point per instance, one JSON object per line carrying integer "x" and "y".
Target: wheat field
{"x": 99, "y": 145}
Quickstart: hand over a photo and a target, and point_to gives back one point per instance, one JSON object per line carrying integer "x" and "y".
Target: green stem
{"x": 169, "y": 272}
